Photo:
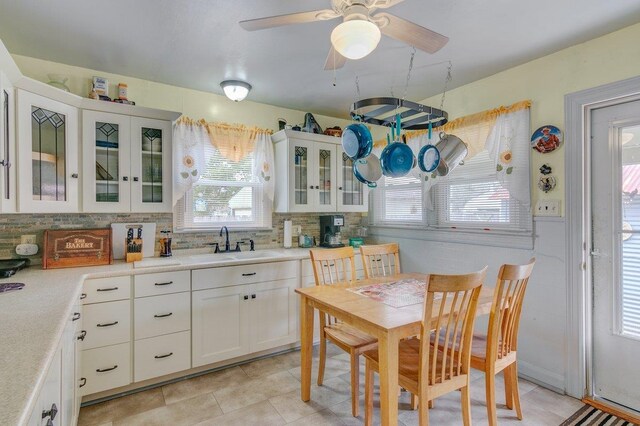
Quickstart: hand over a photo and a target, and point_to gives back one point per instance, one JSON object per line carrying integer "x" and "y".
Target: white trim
{"x": 578, "y": 107}
{"x": 541, "y": 376}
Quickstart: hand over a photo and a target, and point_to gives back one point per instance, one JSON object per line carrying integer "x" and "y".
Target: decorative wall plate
{"x": 547, "y": 183}
{"x": 546, "y": 139}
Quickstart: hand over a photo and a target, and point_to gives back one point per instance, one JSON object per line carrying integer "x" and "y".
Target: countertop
{"x": 33, "y": 319}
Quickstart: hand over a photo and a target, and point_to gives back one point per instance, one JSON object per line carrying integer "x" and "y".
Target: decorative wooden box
{"x": 78, "y": 247}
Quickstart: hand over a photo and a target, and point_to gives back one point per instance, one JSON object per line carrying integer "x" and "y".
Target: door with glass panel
{"x": 48, "y": 155}
{"x": 106, "y": 162}
{"x": 615, "y": 253}
{"x": 151, "y": 175}
{"x": 302, "y": 187}
{"x": 353, "y": 196}
{"x": 324, "y": 177}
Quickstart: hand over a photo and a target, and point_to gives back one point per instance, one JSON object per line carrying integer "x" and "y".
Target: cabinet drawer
{"x": 106, "y": 324}
{"x": 106, "y": 368}
{"x": 162, "y": 355}
{"x": 165, "y": 314}
{"x": 162, "y": 283}
{"x": 106, "y": 289}
{"x": 243, "y": 274}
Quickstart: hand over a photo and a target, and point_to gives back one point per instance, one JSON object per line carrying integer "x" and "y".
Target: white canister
{"x": 288, "y": 233}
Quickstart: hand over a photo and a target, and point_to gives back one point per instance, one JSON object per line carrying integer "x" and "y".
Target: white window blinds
{"x": 399, "y": 201}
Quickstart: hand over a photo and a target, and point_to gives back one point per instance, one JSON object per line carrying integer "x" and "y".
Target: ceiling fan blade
{"x": 292, "y": 18}
{"x": 385, "y": 4}
{"x": 334, "y": 60}
{"x": 410, "y": 33}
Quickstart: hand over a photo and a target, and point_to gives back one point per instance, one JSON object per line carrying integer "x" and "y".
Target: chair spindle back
{"x": 380, "y": 260}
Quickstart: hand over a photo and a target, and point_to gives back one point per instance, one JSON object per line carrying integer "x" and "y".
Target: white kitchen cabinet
{"x": 162, "y": 355}
{"x": 157, "y": 315}
{"x": 126, "y": 163}
{"x": 49, "y": 400}
{"x": 315, "y": 175}
{"x": 273, "y": 314}
{"x": 7, "y": 146}
{"x": 47, "y": 155}
{"x": 106, "y": 368}
{"x": 106, "y": 324}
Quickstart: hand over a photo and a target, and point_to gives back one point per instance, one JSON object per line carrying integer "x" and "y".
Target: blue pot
{"x": 357, "y": 141}
{"x": 397, "y": 160}
{"x": 428, "y": 158}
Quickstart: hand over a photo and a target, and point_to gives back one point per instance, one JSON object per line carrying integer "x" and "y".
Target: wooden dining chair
{"x": 497, "y": 350}
{"x": 424, "y": 370}
{"x": 337, "y": 266}
{"x": 380, "y": 259}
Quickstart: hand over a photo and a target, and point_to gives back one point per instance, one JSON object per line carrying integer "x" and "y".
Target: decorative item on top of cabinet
{"x": 80, "y": 247}
{"x": 48, "y": 155}
{"x": 314, "y": 176}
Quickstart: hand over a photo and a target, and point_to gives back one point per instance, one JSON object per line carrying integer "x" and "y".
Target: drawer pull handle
{"x": 83, "y": 381}
{"x": 76, "y": 316}
{"x": 83, "y": 296}
{"x": 163, "y": 315}
{"x": 163, "y": 356}
{"x": 107, "y": 289}
{"x": 82, "y": 335}
{"x": 167, "y": 283}
{"x": 108, "y": 324}
{"x": 249, "y": 274}
{"x": 104, "y": 370}
{"x": 50, "y": 413}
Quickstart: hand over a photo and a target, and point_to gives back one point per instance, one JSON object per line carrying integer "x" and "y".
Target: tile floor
{"x": 267, "y": 392}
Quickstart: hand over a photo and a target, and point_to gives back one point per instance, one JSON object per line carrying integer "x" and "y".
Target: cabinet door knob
{"x": 74, "y": 175}
{"x": 83, "y": 381}
{"x": 310, "y": 186}
{"x": 246, "y": 297}
{"x": 135, "y": 178}
{"x": 125, "y": 178}
{"x": 50, "y": 413}
{"x": 104, "y": 370}
{"x": 317, "y": 187}
{"x": 76, "y": 316}
{"x": 253, "y": 296}
{"x": 340, "y": 188}
{"x": 82, "y": 335}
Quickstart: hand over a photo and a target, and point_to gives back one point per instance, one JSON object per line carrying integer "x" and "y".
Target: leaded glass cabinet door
{"x": 106, "y": 154}
{"x": 301, "y": 186}
{"x": 352, "y": 194}
{"x": 48, "y": 148}
{"x": 151, "y": 175}
{"x": 324, "y": 177}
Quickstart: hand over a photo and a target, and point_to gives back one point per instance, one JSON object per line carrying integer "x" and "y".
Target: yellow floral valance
{"x": 234, "y": 141}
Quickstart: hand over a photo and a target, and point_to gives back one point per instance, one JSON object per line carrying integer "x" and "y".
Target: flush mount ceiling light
{"x": 235, "y": 90}
{"x": 356, "y": 38}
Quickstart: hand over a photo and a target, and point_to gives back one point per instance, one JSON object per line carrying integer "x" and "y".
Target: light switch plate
{"x": 547, "y": 208}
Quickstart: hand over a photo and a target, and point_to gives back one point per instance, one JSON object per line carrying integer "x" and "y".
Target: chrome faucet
{"x": 227, "y": 246}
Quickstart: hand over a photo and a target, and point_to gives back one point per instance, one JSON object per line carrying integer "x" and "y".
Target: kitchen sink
{"x": 209, "y": 257}
{"x": 255, "y": 254}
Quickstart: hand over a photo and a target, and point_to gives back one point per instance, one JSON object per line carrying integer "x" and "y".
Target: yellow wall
{"x": 545, "y": 81}
{"x": 613, "y": 57}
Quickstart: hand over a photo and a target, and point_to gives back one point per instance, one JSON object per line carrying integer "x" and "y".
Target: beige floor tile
{"x": 186, "y": 412}
{"x": 262, "y": 413}
{"x": 256, "y": 390}
{"x": 211, "y": 382}
{"x": 562, "y": 405}
{"x": 321, "y": 418}
{"x": 333, "y": 367}
{"x": 121, "y": 407}
{"x": 332, "y": 350}
{"x": 332, "y": 392}
{"x": 479, "y": 392}
{"x": 267, "y": 366}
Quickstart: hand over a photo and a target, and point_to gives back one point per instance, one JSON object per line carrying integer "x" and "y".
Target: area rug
{"x": 589, "y": 415}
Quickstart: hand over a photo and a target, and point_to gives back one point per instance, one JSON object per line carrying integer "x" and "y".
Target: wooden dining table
{"x": 387, "y": 323}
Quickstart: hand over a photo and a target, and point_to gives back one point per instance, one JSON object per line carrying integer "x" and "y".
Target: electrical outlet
{"x": 28, "y": 239}
{"x": 547, "y": 208}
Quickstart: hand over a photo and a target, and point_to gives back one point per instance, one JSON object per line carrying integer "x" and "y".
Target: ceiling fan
{"x": 359, "y": 33}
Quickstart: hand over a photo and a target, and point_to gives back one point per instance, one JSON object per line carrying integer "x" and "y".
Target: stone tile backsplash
{"x": 12, "y": 226}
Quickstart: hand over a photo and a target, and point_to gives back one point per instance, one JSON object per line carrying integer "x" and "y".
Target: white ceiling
{"x": 198, "y": 43}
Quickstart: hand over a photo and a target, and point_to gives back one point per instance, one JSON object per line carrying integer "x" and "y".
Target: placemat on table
{"x": 397, "y": 294}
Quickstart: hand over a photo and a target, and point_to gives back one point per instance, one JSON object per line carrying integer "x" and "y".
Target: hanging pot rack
{"x": 414, "y": 116}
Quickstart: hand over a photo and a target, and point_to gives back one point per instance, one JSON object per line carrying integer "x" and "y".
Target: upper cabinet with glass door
{"x": 48, "y": 152}
{"x": 353, "y": 196}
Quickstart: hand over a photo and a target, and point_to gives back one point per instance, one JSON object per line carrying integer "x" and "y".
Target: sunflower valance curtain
{"x": 233, "y": 141}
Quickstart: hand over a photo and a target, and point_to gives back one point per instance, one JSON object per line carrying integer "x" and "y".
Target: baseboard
{"x": 541, "y": 376}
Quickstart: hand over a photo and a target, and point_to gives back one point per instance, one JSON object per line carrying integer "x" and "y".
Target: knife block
{"x": 133, "y": 250}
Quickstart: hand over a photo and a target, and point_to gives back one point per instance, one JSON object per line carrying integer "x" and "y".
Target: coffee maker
{"x": 330, "y": 230}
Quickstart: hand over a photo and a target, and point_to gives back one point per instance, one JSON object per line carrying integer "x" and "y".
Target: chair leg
{"x": 423, "y": 411}
{"x": 465, "y": 399}
{"x": 431, "y": 403}
{"x": 515, "y": 390}
{"x": 368, "y": 394}
{"x": 508, "y": 391}
{"x": 355, "y": 383}
{"x": 490, "y": 385}
{"x": 321, "y": 359}
{"x": 414, "y": 401}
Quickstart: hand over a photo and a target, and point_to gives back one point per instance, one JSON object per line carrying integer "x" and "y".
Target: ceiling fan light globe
{"x": 355, "y": 39}
{"x": 235, "y": 90}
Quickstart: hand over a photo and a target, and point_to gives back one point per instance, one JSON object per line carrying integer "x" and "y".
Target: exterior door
{"x": 615, "y": 211}
{"x": 106, "y": 153}
{"x": 151, "y": 175}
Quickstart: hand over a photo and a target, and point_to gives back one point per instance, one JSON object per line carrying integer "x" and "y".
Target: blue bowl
{"x": 397, "y": 160}
{"x": 428, "y": 158}
{"x": 357, "y": 141}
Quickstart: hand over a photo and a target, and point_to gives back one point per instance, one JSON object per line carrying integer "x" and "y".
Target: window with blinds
{"x": 471, "y": 197}
{"x": 398, "y": 201}
{"x": 226, "y": 194}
